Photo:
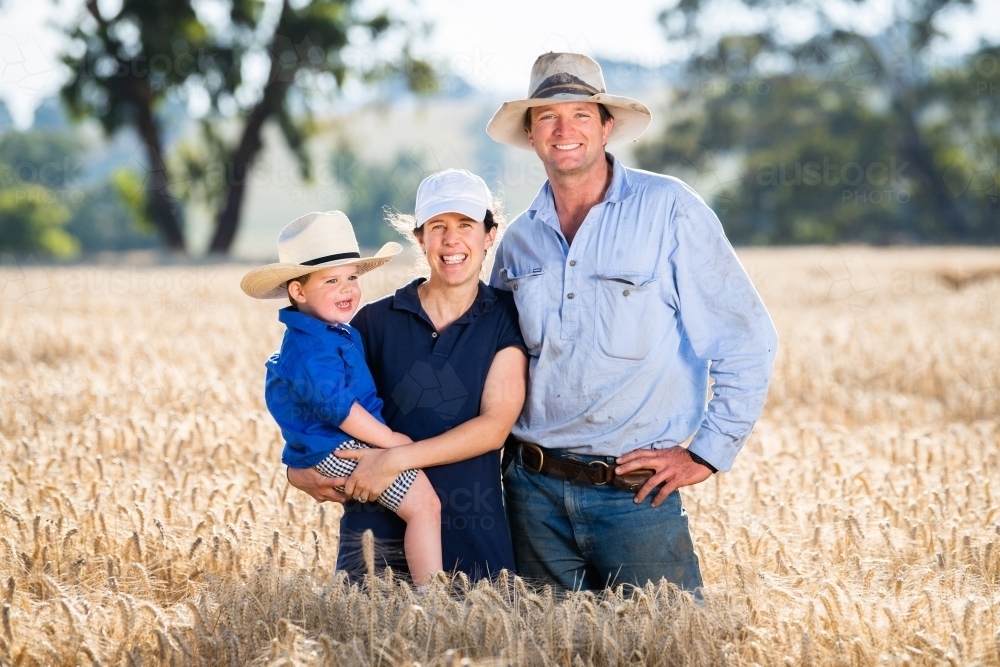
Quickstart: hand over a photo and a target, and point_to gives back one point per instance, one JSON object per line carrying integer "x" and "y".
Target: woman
{"x": 449, "y": 363}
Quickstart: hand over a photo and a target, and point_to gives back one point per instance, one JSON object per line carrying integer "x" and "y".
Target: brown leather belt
{"x": 537, "y": 459}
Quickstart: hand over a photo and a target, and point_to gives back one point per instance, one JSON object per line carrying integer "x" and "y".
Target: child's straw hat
{"x": 314, "y": 242}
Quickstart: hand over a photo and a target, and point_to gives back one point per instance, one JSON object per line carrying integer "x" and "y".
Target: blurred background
{"x": 193, "y": 128}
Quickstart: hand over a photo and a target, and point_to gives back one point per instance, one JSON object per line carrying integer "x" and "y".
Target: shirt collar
{"x": 544, "y": 207}
{"x": 407, "y": 298}
{"x": 298, "y": 320}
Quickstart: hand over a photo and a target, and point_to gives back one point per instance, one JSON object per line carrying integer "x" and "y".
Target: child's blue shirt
{"x": 311, "y": 384}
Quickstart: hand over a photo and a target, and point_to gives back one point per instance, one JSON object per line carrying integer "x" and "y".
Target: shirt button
{"x": 515, "y": 286}
{"x": 570, "y": 295}
{"x": 572, "y": 262}
{"x": 626, "y": 292}
{"x": 434, "y": 334}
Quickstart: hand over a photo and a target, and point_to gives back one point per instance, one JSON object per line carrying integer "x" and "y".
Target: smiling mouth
{"x": 567, "y": 147}
{"x": 453, "y": 259}
{"x": 343, "y": 304}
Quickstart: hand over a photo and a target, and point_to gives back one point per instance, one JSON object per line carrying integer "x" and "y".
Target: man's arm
{"x": 496, "y": 282}
{"x": 502, "y": 400}
{"x": 727, "y": 325}
{"x": 317, "y": 485}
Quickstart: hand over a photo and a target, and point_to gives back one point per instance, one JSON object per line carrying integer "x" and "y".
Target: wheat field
{"x": 145, "y": 520}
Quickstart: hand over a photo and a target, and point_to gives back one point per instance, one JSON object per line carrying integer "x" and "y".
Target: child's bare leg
{"x": 421, "y": 510}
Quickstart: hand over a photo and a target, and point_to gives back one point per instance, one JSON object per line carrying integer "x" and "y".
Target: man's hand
{"x": 674, "y": 469}
{"x": 319, "y": 486}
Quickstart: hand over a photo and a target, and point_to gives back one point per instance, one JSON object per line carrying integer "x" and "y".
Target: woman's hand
{"x": 377, "y": 469}
{"x": 320, "y": 487}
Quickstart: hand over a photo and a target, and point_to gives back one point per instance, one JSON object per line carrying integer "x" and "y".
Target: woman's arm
{"x": 502, "y": 400}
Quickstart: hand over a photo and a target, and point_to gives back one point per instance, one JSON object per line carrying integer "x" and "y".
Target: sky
{"x": 490, "y": 43}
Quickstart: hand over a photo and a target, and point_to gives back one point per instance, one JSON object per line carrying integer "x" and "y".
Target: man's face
{"x": 568, "y": 137}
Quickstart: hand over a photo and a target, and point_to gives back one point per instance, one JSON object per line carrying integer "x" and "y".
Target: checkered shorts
{"x": 334, "y": 466}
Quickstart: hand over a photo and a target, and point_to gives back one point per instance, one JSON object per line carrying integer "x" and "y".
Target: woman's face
{"x": 456, "y": 247}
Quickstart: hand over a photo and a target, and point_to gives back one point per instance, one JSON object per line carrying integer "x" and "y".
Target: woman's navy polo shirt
{"x": 429, "y": 384}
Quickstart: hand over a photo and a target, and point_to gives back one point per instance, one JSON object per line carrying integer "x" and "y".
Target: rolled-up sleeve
{"x": 496, "y": 280}
{"x": 320, "y": 380}
{"x": 727, "y": 326}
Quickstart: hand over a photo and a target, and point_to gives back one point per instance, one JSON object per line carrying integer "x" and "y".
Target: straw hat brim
{"x": 268, "y": 282}
{"x": 631, "y": 118}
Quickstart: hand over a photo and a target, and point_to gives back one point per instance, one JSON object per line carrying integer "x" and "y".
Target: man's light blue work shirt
{"x": 624, "y": 326}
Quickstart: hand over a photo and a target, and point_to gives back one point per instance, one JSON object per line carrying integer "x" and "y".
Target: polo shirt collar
{"x": 544, "y": 207}
{"x": 406, "y": 298}
{"x": 295, "y": 319}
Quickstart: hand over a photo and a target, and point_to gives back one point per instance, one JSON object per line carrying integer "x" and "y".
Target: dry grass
{"x": 144, "y": 518}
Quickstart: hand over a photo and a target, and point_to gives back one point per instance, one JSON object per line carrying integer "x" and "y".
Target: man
{"x": 630, "y": 298}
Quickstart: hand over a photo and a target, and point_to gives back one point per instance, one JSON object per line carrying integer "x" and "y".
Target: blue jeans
{"x": 582, "y": 537}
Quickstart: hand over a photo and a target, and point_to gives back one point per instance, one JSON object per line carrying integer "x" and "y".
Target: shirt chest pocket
{"x": 628, "y": 321}
{"x": 527, "y": 285}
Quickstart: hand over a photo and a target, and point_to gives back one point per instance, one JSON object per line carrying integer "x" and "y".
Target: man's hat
{"x": 568, "y": 77}
{"x": 314, "y": 242}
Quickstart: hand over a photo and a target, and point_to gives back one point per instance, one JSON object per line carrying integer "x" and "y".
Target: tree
{"x": 35, "y": 170}
{"x": 48, "y": 208}
{"x": 795, "y": 112}
{"x": 372, "y": 189}
{"x": 128, "y": 67}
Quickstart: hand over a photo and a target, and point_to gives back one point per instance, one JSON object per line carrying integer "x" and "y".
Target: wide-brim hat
{"x": 568, "y": 77}
{"x": 314, "y": 242}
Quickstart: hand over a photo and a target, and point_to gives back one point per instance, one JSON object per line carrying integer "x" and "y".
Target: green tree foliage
{"x": 35, "y": 170}
{"x": 838, "y": 136}
{"x": 101, "y": 222}
{"x": 128, "y": 65}
{"x": 33, "y": 221}
{"x": 48, "y": 209}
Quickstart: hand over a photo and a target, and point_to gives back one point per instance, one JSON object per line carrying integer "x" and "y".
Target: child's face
{"x": 331, "y": 295}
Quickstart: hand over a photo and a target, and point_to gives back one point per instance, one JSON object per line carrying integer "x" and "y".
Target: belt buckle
{"x": 534, "y": 448}
{"x": 594, "y": 464}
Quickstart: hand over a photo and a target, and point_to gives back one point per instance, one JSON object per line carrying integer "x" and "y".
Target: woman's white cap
{"x": 453, "y": 191}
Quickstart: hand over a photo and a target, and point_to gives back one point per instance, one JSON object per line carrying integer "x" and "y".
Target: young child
{"x": 318, "y": 386}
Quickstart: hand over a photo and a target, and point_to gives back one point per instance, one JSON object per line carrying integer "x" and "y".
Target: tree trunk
{"x": 227, "y": 220}
{"x": 915, "y": 148}
{"x": 238, "y": 168}
{"x": 161, "y": 206}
